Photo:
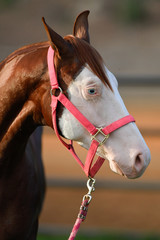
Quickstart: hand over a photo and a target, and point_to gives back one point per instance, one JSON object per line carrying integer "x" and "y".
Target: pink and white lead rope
{"x": 80, "y": 218}
{"x": 83, "y": 208}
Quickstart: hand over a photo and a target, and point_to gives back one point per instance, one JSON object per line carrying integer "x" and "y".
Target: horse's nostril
{"x": 139, "y": 163}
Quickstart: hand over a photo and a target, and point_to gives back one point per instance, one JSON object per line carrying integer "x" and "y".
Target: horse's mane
{"x": 23, "y": 50}
{"x": 88, "y": 55}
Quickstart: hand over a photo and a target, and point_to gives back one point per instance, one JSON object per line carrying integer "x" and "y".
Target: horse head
{"x": 93, "y": 89}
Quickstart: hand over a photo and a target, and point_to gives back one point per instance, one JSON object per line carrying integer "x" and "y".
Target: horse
{"x": 25, "y": 106}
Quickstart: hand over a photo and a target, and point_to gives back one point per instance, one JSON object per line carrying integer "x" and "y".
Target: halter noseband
{"x": 87, "y": 167}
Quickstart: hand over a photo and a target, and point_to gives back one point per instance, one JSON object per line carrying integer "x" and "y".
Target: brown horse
{"x": 25, "y": 105}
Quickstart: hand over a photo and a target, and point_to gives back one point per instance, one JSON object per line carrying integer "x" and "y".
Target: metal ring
{"x": 60, "y": 91}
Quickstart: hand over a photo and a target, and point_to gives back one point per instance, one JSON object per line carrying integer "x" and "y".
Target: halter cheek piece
{"x": 94, "y": 132}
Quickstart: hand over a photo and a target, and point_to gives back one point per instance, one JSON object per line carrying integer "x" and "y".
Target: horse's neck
{"x": 23, "y": 82}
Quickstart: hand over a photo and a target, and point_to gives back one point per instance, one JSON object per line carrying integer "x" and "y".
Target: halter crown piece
{"x": 87, "y": 167}
{"x": 89, "y": 170}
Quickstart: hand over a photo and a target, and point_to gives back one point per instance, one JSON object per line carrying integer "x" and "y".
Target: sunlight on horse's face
{"x": 125, "y": 148}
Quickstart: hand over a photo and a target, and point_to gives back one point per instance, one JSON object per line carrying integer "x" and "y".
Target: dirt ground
{"x": 110, "y": 209}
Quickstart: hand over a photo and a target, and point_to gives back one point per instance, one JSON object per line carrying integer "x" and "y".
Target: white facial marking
{"x": 102, "y": 106}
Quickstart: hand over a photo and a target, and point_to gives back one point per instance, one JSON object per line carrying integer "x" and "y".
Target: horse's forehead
{"x": 87, "y": 76}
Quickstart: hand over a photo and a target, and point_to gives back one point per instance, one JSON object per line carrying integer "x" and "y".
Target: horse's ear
{"x": 81, "y": 28}
{"x": 60, "y": 46}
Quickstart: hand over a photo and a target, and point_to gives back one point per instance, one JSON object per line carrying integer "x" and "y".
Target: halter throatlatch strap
{"x": 87, "y": 167}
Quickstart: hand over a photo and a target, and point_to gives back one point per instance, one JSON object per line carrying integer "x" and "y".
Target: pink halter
{"x": 87, "y": 167}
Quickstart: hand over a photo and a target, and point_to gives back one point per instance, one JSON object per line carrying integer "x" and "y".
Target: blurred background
{"x": 127, "y": 35}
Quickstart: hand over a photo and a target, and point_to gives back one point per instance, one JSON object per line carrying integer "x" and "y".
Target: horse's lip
{"x": 118, "y": 169}
{"x": 120, "y": 172}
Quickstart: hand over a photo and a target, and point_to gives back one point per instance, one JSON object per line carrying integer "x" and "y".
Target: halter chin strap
{"x": 94, "y": 132}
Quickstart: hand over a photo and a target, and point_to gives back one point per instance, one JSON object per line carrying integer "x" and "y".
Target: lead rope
{"x": 83, "y": 208}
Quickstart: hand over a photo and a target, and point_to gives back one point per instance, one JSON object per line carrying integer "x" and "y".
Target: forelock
{"x": 86, "y": 54}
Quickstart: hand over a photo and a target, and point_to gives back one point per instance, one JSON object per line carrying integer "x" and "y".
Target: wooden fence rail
{"x": 104, "y": 184}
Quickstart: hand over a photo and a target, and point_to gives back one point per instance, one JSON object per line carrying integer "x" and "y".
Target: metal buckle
{"x": 104, "y": 135}
{"x": 81, "y": 216}
{"x": 84, "y": 208}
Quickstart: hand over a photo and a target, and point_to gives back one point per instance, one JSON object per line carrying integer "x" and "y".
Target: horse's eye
{"x": 91, "y": 91}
